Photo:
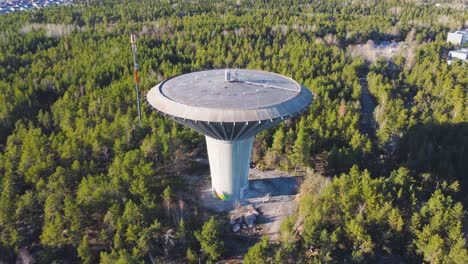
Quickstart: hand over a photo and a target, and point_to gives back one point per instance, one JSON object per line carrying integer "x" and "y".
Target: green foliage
{"x": 54, "y": 224}
{"x": 278, "y": 142}
{"x": 288, "y": 237}
{"x": 210, "y": 239}
{"x": 351, "y": 208}
{"x": 258, "y": 253}
{"x": 438, "y": 230}
{"x": 301, "y": 148}
{"x": 78, "y": 175}
{"x": 357, "y": 218}
{"x": 191, "y": 256}
{"x": 120, "y": 257}
{"x": 429, "y": 92}
{"x": 85, "y": 252}
{"x": 182, "y": 233}
{"x": 168, "y": 196}
{"x": 437, "y": 153}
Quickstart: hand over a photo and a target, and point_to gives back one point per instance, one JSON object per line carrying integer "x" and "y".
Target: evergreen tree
{"x": 210, "y": 239}
{"x": 438, "y": 231}
{"x": 191, "y": 256}
{"x": 301, "y": 148}
{"x": 168, "y": 198}
{"x": 72, "y": 157}
{"x": 278, "y": 141}
{"x": 53, "y": 233}
{"x": 85, "y": 252}
{"x": 258, "y": 253}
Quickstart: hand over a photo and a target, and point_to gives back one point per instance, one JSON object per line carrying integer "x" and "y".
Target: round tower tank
{"x": 229, "y": 107}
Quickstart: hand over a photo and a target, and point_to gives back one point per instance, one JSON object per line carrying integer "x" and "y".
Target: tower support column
{"x": 229, "y": 166}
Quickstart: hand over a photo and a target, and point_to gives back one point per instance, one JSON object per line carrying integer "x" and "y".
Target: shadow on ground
{"x": 274, "y": 186}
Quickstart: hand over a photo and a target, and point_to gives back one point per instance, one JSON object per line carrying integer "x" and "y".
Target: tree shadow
{"x": 438, "y": 153}
{"x": 263, "y": 219}
{"x": 275, "y": 200}
{"x": 274, "y": 186}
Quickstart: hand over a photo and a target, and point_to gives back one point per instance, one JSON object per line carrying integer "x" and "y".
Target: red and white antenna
{"x": 136, "y": 69}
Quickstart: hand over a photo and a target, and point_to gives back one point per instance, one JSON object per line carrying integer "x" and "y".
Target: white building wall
{"x": 229, "y": 166}
{"x": 457, "y": 37}
{"x": 461, "y": 54}
{"x": 458, "y": 54}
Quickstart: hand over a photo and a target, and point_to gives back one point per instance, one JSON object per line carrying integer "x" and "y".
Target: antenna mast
{"x": 136, "y": 68}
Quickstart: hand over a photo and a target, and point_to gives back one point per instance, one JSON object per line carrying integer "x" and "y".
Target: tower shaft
{"x": 229, "y": 166}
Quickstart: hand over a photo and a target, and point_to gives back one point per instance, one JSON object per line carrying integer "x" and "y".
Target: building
{"x": 230, "y": 107}
{"x": 461, "y": 54}
{"x": 458, "y": 38}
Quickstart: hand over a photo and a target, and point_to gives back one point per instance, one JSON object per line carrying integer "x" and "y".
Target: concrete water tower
{"x": 229, "y": 107}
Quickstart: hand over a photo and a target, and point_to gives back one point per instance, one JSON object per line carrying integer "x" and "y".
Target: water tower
{"x": 229, "y": 107}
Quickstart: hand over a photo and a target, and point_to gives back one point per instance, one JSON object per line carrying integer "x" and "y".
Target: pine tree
{"x": 278, "y": 141}
{"x": 258, "y": 253}
{"x": 301, "y": 148}
{"x": 438, "y": 230}
{"x": 210, "y": 239}
{"x": 72, "y": 214}
{"x": 85, "y": 252}
{"x": 182, "y": 232}
{"x": 191, "y": 256}
{"x": 54, "y": 226}
{"x": 168, "y": 197}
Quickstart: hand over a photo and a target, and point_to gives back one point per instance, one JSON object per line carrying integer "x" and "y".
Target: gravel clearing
{"x": 271, "y": 193}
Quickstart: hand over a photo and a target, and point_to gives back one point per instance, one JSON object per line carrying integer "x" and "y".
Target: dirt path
{"x": 367, "y": 112}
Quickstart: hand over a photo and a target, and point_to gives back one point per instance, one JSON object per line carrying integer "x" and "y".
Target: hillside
{"x": 81, "y": 181}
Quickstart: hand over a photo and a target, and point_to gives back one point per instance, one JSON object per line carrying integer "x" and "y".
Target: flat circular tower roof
{"x": 248, "y": 95}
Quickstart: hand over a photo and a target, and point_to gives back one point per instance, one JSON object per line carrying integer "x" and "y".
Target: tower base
{"x": 229, "y": 166}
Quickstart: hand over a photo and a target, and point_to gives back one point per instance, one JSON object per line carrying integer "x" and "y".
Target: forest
{"x": 82, "y": 182}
